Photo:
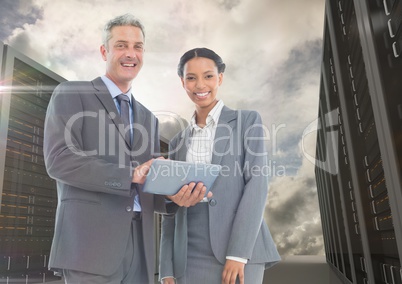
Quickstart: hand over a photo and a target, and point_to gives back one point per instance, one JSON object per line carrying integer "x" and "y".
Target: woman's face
{"x": 201, "y": 81}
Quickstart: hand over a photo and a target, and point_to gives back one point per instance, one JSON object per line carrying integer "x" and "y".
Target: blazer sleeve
{"x": 161, "y": 206}
{"x": 159, "y": 200}
{"x": 64, "y": 152}
{"x": 166, "y": 267}
{"x": 249, "y": 215}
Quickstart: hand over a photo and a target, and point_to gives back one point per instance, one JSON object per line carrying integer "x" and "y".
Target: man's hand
{"x": 140, "y": 173}
{"x": 190, "y": 194}
{"x": 231, "y": 271}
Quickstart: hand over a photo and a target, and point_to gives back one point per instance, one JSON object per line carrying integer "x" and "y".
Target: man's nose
{"x": 130, "y": 52}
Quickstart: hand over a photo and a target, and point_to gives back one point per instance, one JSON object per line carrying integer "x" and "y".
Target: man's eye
{"x": 139, "y": 47}
{"x": 189, "y": 78}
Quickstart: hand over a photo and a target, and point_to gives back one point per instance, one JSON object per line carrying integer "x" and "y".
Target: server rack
{"x": 361, "y": 81}
{"x": 28, "y": 195}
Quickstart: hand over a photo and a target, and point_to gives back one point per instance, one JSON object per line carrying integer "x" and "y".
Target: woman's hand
{"x": 168, "y": 280}
{"x": 231, "y": 271}
{"x": 190, "y": 194}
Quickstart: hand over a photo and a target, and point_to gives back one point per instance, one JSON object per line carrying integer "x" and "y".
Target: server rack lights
{"x": 360, "y": 140}
{"x": 28, "y": 195}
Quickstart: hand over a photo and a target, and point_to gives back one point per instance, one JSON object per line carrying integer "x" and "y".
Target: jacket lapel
{"x": 103, "y": 94}
{"x": 182, "y": 144}
{"x": 139, "y": 119}
{"x": 109, "y": 105}
{"x": 224, "y": 134}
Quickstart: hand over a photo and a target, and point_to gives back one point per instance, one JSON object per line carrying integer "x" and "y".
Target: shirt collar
{"x": 212, "y": 118}
{"x": 113, "y": 89}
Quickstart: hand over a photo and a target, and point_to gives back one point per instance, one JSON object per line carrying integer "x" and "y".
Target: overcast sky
{"x": 272, "y": 50}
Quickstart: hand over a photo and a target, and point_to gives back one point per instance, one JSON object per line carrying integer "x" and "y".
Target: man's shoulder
{"x": 78, "y": 87}
{"x": 142, "y": 107}
{"x": 75, "y": 85}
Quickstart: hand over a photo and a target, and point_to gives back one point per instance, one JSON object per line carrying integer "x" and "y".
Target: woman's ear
{"x": 220, "y": 78}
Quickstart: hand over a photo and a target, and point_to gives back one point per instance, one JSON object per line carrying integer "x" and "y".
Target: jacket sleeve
{"x": 249, "y": 215}
{"x": 66, "y": 158}
{"x": 166, "y": 267}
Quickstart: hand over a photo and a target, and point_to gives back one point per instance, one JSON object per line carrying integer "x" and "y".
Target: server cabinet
{"x": 28, "y": 194}
{"x": 361, "y": 71}
{"x": 382, "y": 54}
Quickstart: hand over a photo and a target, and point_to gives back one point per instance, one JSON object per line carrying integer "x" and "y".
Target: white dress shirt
{"x": 115, "y": 91}
{"x": 202, "y": 145}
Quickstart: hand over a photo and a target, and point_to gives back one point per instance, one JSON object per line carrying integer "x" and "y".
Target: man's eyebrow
{"x": 126, "y": 41}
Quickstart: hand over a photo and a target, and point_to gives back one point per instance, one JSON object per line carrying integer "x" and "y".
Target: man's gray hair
{"x": 123, "y": 20}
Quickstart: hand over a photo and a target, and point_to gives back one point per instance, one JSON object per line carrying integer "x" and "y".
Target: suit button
{"x": 128, "y": 208}
{"x": 212, "y": 202}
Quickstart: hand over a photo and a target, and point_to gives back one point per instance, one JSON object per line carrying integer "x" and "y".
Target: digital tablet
{"x": 166, "y": 177}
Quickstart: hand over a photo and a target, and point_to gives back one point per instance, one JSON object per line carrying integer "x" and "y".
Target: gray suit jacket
{"x": 85, "y": 152}
{"x": 239, "y": 197}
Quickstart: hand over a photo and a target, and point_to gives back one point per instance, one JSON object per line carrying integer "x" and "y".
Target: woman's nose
{"x": 200, "y": 84}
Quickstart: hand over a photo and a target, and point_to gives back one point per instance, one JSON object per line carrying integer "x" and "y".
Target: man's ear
{"x": 103, "y": 52}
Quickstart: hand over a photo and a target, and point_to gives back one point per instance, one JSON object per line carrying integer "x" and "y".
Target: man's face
{"x": 123, "y": 55}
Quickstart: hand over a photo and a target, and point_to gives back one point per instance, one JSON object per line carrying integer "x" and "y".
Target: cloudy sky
{"x": 272, "y": 50}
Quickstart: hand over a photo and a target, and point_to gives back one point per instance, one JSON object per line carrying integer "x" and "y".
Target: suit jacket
{"x": 239, "y": 196}
{"x": 85, "y": 152}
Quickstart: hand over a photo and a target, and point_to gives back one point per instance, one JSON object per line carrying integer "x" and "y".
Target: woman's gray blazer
{"x": 239, "y": 197}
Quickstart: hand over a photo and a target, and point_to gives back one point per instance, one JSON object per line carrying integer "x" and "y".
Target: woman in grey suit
{"x": 224, "y": 238}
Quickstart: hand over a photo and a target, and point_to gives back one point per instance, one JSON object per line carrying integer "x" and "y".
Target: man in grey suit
{"x": 99, "y": 143}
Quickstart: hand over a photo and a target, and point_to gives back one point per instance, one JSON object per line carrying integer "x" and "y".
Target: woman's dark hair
{"x": 200, "y": 52}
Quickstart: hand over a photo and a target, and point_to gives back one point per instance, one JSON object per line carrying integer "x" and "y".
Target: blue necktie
{"x": 124, "y": 102}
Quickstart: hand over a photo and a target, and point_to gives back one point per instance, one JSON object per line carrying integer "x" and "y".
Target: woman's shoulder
{"x": 248, "y": 114}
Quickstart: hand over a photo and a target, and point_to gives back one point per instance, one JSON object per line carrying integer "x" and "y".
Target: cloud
{"x": 287, "y": 99}
{"x": 15, "y": 14}
{"x": 255, "y": 38}
{"x": 272, "y": 50}
{"x": 293, "y": 214}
